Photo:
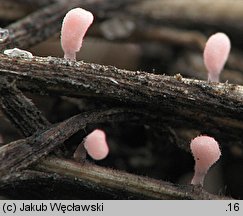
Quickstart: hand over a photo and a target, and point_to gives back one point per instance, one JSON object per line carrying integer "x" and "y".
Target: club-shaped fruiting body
{"x": 74, "y": 26}
{"x": 215, "y": 54}
{"x": 206, "y": 152}
{"x": 96, "y": 145}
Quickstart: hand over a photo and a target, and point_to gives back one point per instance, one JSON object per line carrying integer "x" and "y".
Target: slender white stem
{"x": 212, "y": 77}
{"x": 70, "y": 56}
{"x": 198, "y": 178}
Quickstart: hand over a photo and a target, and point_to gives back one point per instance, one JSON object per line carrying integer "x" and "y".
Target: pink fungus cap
{"x": 215, "y": 55}
{"x": 96, "y": 145}
{"x": 206, "y": 152}
{"x": 74, "y": 26}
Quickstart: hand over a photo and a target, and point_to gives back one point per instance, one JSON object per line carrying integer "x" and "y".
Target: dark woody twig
{"x": 111, "y": 184}
{"x": 145, "y": 187}
{"x": 186, "y": 13}
{"x": 184, "y": 100}
{"x": 20, "y": 110}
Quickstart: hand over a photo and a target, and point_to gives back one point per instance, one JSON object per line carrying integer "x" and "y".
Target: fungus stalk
{"x": 80, "y": 153}
{"x": 75, "y": 25}
{"x": 215, "y": 55}
{"x": 206, "y": 152}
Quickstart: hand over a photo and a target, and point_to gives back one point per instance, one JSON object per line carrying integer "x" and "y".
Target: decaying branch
{"x": 20, "y": 110}
{"x": 80, "y": 180}
{"x": 215, "y": 106}
{"x": 221, "y": 14}
{"x": 47, "y": 186}
{"x": 12, "y": 10}
{"x": 137, "y": 185}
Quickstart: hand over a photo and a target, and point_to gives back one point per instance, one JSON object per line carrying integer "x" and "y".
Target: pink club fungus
{"x": 74, "y": 26}
{"x": 215, "y": 54}
{"x": 206, "y": 152}
{"x": 96, "y": 145}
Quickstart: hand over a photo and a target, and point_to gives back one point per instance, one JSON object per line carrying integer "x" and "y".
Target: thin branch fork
{"x": 20, "y": 110}
{"x": 31, "y": 120}
{"x": 21, "y": 154}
